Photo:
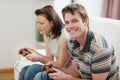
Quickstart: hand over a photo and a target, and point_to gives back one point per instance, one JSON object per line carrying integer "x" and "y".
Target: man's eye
{"x": 66, "y": 23}
{"x": 74, "y": 21}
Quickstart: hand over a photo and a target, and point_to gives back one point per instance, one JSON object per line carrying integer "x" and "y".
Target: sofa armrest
{"x": 21, "y": 62}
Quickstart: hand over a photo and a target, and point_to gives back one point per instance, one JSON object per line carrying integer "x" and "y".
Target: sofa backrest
{"x": 110, "y": 29}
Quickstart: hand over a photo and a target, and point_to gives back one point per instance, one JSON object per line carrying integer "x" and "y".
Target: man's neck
{"x": 82, "y": 39}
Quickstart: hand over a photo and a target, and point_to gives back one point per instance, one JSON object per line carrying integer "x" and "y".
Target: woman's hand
{"x": 34, "y": 56}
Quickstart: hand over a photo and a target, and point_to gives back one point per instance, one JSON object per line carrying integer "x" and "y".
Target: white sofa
{"x": 21, "y": 62}
{"x": 110, "y": 29}
{"x": 107, "y": 27}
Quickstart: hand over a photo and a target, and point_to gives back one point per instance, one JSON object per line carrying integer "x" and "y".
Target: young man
{"x": 92, "y": 56}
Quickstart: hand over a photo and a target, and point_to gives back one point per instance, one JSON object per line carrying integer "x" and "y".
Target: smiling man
{"x": 92, "y": 56}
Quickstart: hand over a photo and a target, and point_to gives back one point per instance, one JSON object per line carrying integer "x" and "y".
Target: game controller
{"x": 24, "y": 52}
{"x": 48, "y": 69}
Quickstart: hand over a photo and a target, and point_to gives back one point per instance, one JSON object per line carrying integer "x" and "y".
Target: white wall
{"x": 93, "y": 7}
{"x": 58, "y": 6}
{"x": 17, "y": 28}
{"x": 17, "y": 24}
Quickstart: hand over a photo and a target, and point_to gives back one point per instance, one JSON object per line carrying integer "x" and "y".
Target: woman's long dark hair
{"x": 51, "y": 15}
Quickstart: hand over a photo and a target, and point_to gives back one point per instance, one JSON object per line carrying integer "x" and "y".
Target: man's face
{"x": 74, "y": 25}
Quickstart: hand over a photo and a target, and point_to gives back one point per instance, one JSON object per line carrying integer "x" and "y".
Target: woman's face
{"x": 44, "y": 25}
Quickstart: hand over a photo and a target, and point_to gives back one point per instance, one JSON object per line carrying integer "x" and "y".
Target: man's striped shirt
{"x": 96, "y": 57}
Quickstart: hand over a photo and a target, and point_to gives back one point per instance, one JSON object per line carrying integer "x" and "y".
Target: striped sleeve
{"x": 101, "y": 60}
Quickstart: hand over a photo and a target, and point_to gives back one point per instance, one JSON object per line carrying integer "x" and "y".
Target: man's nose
{"x": 70, "y": 25}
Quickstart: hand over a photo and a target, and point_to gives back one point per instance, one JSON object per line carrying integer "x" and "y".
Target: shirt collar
{"x": 90, "y": 36}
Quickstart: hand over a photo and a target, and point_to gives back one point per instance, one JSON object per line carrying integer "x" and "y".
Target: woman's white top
{"x": 54, "y": 44}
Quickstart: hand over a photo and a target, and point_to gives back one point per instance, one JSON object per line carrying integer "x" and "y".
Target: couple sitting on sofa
{"x": 82, "y": 54}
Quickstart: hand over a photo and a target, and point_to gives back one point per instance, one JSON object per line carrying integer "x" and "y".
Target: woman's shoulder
{"x": 64, "y": 34}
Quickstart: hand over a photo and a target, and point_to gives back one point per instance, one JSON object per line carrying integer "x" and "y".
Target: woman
{"x": 50, "y": 25}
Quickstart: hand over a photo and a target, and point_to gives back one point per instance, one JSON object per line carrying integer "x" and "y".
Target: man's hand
{"x": 58, "y": 75}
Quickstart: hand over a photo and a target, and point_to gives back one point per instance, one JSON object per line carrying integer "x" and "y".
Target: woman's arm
{"x": 63, "y": 57}
{"x": 35, "y": 56}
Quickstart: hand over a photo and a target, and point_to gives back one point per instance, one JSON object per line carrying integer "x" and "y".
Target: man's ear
{"x": 86, "y": 22}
